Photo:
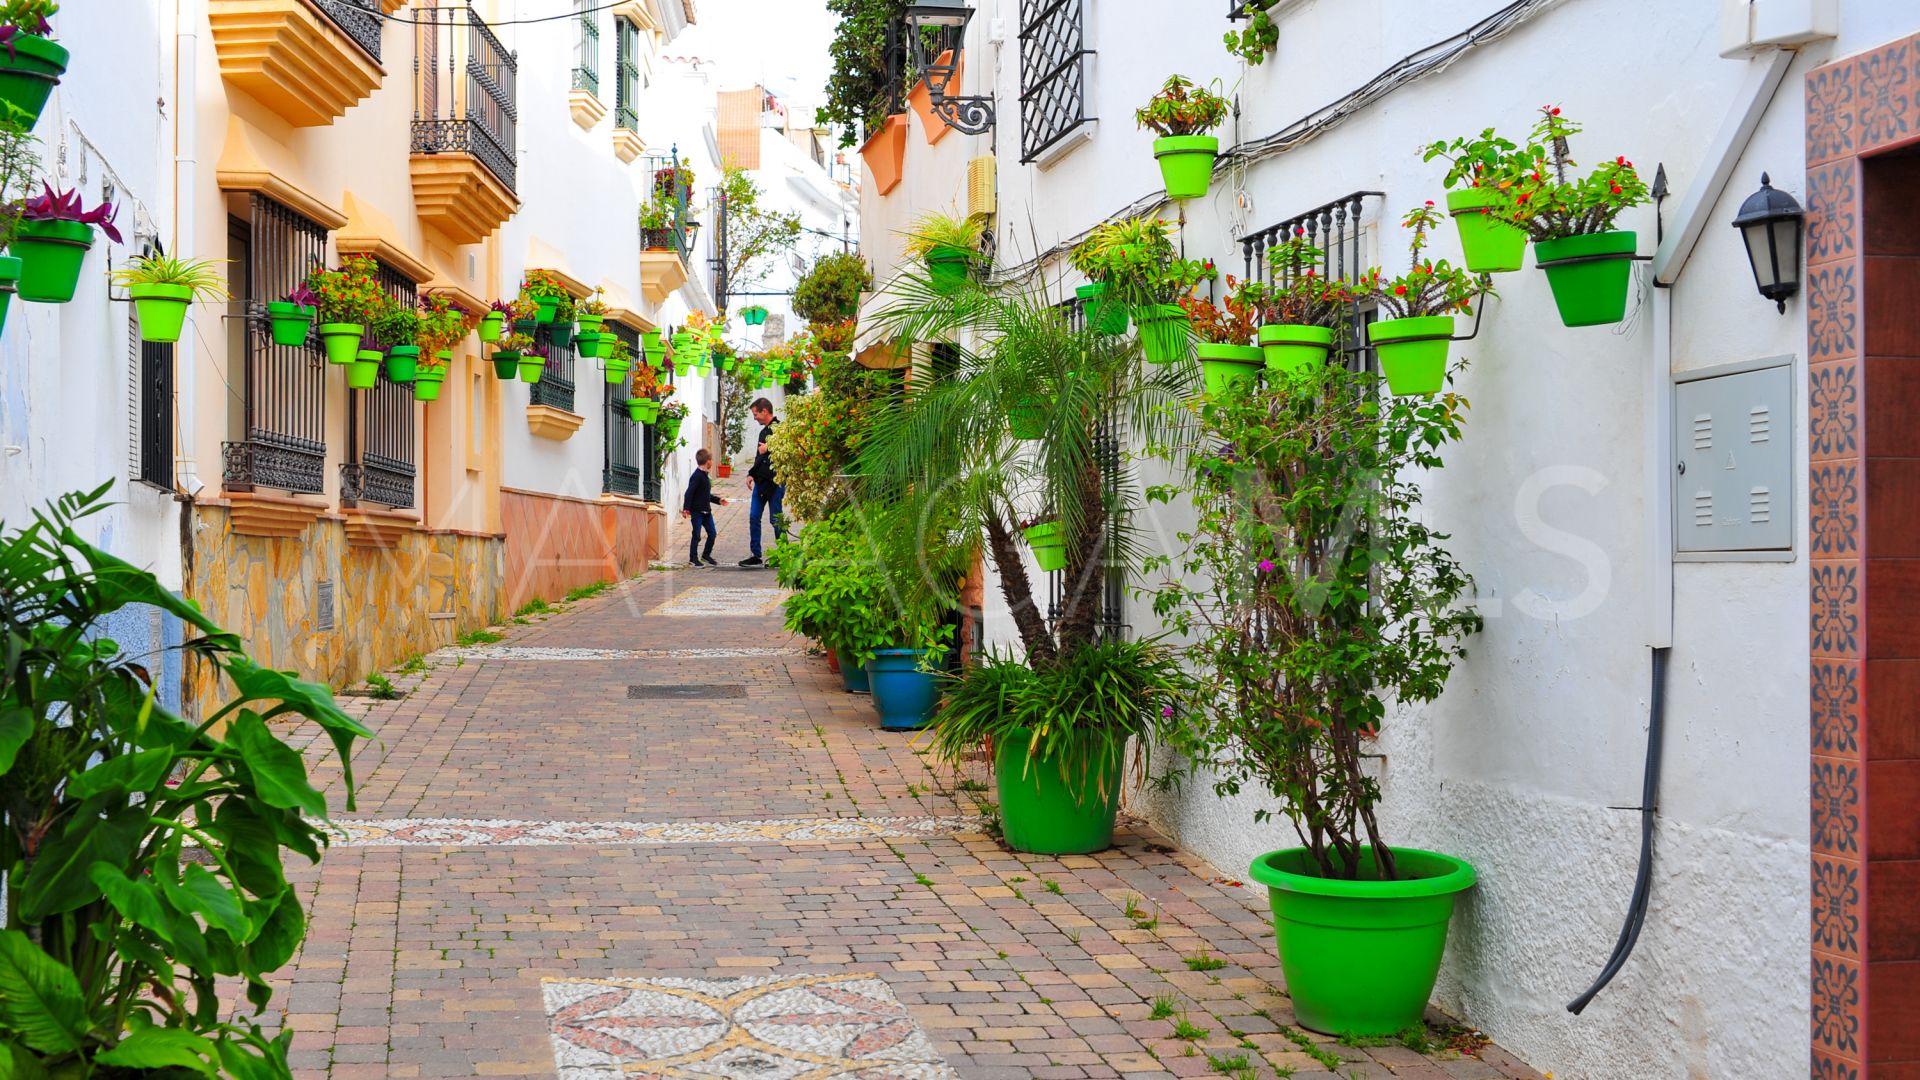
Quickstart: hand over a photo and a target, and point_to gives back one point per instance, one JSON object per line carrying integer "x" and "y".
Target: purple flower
{"x": 1166, "y": 711}
{"x": 1266, "y": 566}
{"x": 303, "y": 296}
{"x": 68, "y": 206}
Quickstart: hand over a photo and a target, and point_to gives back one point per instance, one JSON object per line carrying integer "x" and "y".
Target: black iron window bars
{"x": 1053, "y": 93}
{"x": 620, "y": 471}
{"x": 464, "y": 91}
{"x": 360, "y": 20}
{"x": 1338, "y": 229}
{"x": 380, "y": 428}
{"x": 586, "y": 47}
{"x": 282, "y": 388}
{"x": 668, "y": 191}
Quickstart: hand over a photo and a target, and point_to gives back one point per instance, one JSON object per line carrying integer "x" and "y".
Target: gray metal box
{"x": 1733, "y": 449}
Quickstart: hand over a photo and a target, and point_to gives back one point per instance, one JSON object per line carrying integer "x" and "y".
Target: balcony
{"x": 307, "y": 60}
{"x": 667, "y": 228}
{"x": 464, "y": 116}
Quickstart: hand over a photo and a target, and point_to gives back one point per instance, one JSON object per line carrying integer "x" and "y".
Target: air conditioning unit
{"x": 983, "y": 193}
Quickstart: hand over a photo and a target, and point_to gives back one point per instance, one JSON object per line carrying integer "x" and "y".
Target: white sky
{"x": 780, "y": 44}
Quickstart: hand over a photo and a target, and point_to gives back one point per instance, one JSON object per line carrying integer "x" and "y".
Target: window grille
{"x": 1052, "y": 74}
{"x": 669, "y": 187}
{"x": 465, "y": 90}
{"x": 626, "y": 85}
{"x": 620, "y": 474}
{"x": 360, "y": 20}
{"x": 282, "y": 388}
{"x": 555, "y": 387}
{"x": 586, "y": 47}
{"x": 379, "y": 466}
{"x": 645, "y": 445}
{"x": 155, "y": 402}
{"x": 1339, "y": 230}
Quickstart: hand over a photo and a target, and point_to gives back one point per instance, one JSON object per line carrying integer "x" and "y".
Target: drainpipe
{"x": 1764, "y": 74}
{"x": 186, "y": 104}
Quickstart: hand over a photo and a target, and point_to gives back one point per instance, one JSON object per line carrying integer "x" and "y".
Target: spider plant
{"x": 204, "y": 277}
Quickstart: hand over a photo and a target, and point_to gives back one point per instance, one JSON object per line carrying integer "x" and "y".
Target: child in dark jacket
{"x": 697, "y": 506}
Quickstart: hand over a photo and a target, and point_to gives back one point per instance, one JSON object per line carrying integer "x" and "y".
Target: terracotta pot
{"x": 726, "y": 470}
{"x": 921, "y": 98}
{"x": 886, "y": 153}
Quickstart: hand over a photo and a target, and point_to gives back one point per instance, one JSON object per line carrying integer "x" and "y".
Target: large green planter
{"x": 1291, "y": 347}
{"x": 29, "y": 70}
{"x": 364, "y": 372}
{"x": 1048, "y": 540}
{"x": 9, "y": 279}
{"x": 1164, "y": 332}
{"x": 427, "y": 382}
{"x": 341, "y": 340}
{"x": 531, "y": 366}
{"x": 616, "y": 371}
{"x": 1186, "y": 164}
{"x": 1590, "y": 275}
{"x": 50, "y": 254}
{"x": 643, "y": 410}
{"x": 947, "y": 269}
{"x": 161, "y": 309}
{"x": 1489, "y": 244}
{"x": 403, "y": 363}
{"x": 506, "y": 365}
{"x": 903, "y": 694}
{"x": 1224, "y": 367}
{"x": 1043, "y": 812}
{"x": 490, "y": 326}
{"x": 1361, "y": 956}
{"x": 290, "y": 323}
{"x": 1413, "y": 352}
{"x": 1106, "y": 316}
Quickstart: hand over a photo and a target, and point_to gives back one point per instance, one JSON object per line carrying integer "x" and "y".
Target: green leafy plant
{"x": 203, "y": 276}
{"x": 544, "y": 284}
{"x": 1231, "y": 321}
{"x": 831, "y": 290}
{"x": 517, "y": 343}
{"x": 1299, "y": 295}
{"x": 1257, "y": 40}
{"x": 29, "y": 16}
{"x": 349, "y": 293}
{"x": 1430, "y": 286}
{"x": 382, "y": 687}
{"x": 19, "y": 164}
{"x": 853, "y": 594}
{"x": 115, "y": 936}
{"x": 818, "y": 440}
{"x": 397, "y": 325}
{"x": 934, "y": 230}
{"x": 859, "y": 94}
{"x": 443, "y": 325}
{"x": 1550, "y": 203}
{"x": 1135, "y": 259}
{"x": 1483, "y": 160}
{"x": 1181, "y": 108}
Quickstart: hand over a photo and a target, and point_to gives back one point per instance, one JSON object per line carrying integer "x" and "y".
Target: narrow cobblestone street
{"x": 650, "y": 837}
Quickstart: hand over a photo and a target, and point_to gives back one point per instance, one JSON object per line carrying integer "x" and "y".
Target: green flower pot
{"x": 290, "y": 323}
{"x": 560, "y": 333}
{"x": 506, "y": 365}
{"x": 162, "y": 310}
{"x": 669, "y": 432}
{"x": 1291, "y": 347}
{"x": 28, "y": 74}
{"x": 643, "y": 410}
{"x": 341, "y": 340}
{"x": 590, "y": 343}
{"x": 51, "y": 254}
{"x": 531, "y": 367}
{"x": 1164, "y": 332}
{"x": 589, "y": 322}
{"x": 363, "y": 373}
{"x": 754, "y": 316}
{"x": 1490, "y": 245}
{"x": 616, "y": 371}
{"x": 1413, "y": 352}
{"x": 1225, "y": 367}
{"x": 427, "y": 382}
{"x": 1591, "y": 291}
{"x": 1186, "y": 164}
{"x": 1104, "y": 316}
{"x": 544, "y": 308}
{"x": 526, "y": 326}
{"x": 9, "y": 278}
{"x": 947, "y": 269}
{"x": 1028, "y": 419}
{"x": 1049, "y": 543}
{"x": 1360, "y": 956}
{"x": 490, "y": 326}
{"x": 403, "y": 363}
{"x": 728, "y": 364}
{"x": 1043, "y": 812}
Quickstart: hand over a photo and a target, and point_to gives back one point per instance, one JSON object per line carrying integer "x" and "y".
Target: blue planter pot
{"x": 903, "y": 695}
{"x": 853, "y": 677}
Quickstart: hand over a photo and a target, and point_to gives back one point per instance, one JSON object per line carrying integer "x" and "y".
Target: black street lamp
{"x": 944, "y": 22}
{"x": 1772, "y": 224}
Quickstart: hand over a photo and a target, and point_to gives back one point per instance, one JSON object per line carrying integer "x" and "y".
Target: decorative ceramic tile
{"x": 1836, "y": 906}
{"x": 1833, "y": 211}
{"x": 1830, "y": 112}
{"x": 793, "y": 1027}
{"x": 1835, "y": 803}
{"x": 1836, "y": 707}
{"x": 1834, "y": 509}
{"x": 464, "y": 832}
{"x": 1834, "y": 604}
{"x": 1882, "y": 94}
{"x": 1836, "y": 1005}
{"x": 709, "y": 601}
{"x": 1828, "y": 1067}
{"x": 1833, "y": 410}
{"x": 531, "y": 653}
{"x": 1833, "y": 312}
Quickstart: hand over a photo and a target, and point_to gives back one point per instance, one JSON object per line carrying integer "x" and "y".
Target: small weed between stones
{"x": 382, "y": 687}
{"x": 1184, "y": 1028}
{"x": 1162, "y": 1007}
{"x": 478, "y": 637}
{"x": 1236, "y": 1066}
{"x": 585, "y": 592}
{"x": 536, "y": 606}
{"x": 1414, "y": 1037}
{"x": 1305, "y": 1042}
{"x": 1205, "y": 962}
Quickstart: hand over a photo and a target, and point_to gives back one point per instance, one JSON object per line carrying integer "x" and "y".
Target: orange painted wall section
{"x": 556, "y": 543}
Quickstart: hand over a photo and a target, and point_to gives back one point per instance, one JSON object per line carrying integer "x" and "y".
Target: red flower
{"x": 1429, "y": 202}
{"x": 1556, "y": 110}
{"x": 1399, "y": 290}
{"x": 1616, "y": 189}
{"x": 1621, "y": 160}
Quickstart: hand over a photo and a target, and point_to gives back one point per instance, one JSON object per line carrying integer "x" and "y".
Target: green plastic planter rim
{"x": 35, "y": 47}
{"x": 1472, "y": 201}
{"x": 1233, "y": 354}
{"x": 1396, "y": 331}
{"x": 158, "y": 291}
{"x": 1090, "y": 292}
{"x": 430, "y": 374}
{"x": 1045, "y": 530}
{"x": 1588, "y": 247}
{"x": 1457, "y": 875}
{"x": 1173, "y": 145}
{"x": 74, "y": 233}
{"x": 403, "y": 350}
{"x": 1296, "y": 334}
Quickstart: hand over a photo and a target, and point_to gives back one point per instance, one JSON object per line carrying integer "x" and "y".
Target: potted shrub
{"x": 618, "y": 360}
{"x": 349, "y": 297}
{"x": 754, "y": 316}
{"x": 506, "y": 360}
{"x": 443, "y": 324}
{"x": 1303, "y": 311}
{"x": 52, "y": 240}
{"x": 591, "y": 313}
{"x": 162, "y": 287}
{"x": 533, "y": 361}
{"x": 1133, "y": 262}
{"x": 560, "y": 330}
{"x": 672, "y": 415}
{"x": 818, "y": 565}
{"x": 1481, "y": 173}
{"x": 831, "y": 290}
{"x": 1224, "y": 332}
{"x": 1413, "y": 343}
{"x": 1182, "y": 114}
{"x": 33, "y": 63}
{"x": 546, "y": 292}
{"x": 493, "y": 322}
{"x": 1588, "y": 262}
{"x": 291, "y": 320}
{"x": 1047, "y": 540}
{"x": 397, "y": 328}
{"x": 1311, "y": 612}
{"x": 949, "y": 245}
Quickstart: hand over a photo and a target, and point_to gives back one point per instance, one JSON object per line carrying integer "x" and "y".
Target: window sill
{"x": 587, "y": 109}
{"x": 547, "y": 422}
{"x": 627, "y": 144}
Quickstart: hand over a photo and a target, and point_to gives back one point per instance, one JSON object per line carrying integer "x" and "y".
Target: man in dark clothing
{"x": 697, "y": 506}
{"x": 766, "y": 491}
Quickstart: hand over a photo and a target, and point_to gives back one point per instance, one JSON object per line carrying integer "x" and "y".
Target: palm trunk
{"x": 1018, "y": 591}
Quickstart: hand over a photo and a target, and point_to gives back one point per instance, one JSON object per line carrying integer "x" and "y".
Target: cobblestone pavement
{"x": 552, "y": 874}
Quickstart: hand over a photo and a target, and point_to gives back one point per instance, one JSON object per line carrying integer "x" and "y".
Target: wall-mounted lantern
{"x": 934, "y": 27}
{"x": 1772, "y": 224}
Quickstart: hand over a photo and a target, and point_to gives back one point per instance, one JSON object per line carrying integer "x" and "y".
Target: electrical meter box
{"x": 1733, "y": 453}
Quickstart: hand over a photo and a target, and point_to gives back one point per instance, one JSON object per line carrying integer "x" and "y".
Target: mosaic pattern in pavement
{"x": 712, "y": 601}
{"x": 466, "y": 833}
{"x": 540, "y": 654}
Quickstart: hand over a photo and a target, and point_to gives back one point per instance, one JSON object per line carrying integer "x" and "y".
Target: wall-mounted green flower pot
{"x": 161, "y": 309}
{"x": 506, "y": 365}
{"x": 403, "y": 363}
{"x": 1104, "y": 316}
{"x": 1360, "y": 956}
{"x": 669, "y": 432}
{"x": 526, "y": 326}
{"x": 29, "y": 69}
{"x": 544, "y": 307}
{"x": 531, "y": 367}
{"x": 616, "y": 371}
{"x": 1225, "y": 367}
{"x": 643, "y": 410}
{"x": 1291, "y": 347}
{"x": 50, "y": 254}
{"x": 560, "y": 333}
{"x": 1590, "y": 275}
{"x": 490, "y": 326}
{"x": 1413, "y": 352}
{"x": 1028, "y": 418}
{"x": 364, "y": 372}
{"x": 1489, "y": 244}
{"x": 754, "y": 316}
{"x": 1043, "y": 812}
{"x": 1049, "y": 543}
{"x": 589, "y": 343}
{"x": 589, "y": 322}
{"x": 9, "y": 278}
{"x": 341, "y": 340}
{"x": 1164, "y": 332}
{"x": 290, "y": 323}
{"x": 427, "y": 382}
{"x": 947, "y": 269}
{"x": 1186, "y": 164}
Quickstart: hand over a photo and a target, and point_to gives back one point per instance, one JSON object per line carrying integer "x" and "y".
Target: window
{"x": 586, "y": 47}
{"x": 1339, "y": 230}
{"x": 278, "y": 397}
{"x": 620, "y": 471}
{"x": 379, "y": 465}
{"x": 555, "y": 387}
{"x": 150, "y": 407}
{"x": 465, "y": 97}
{"x": 1052, "y": 74}
{"x": 626, "y": 88}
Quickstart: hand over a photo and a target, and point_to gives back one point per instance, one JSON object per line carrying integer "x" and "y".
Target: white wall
{"x": 1542, "y": 729}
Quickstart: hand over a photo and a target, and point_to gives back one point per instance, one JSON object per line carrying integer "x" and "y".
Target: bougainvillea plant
{"x": 1550, "y": 203}
{"x": 1181, "y": 108}
{"x": 51, "y": 205}
{"x": 1430, "y": 286}
{"x": 349, "y": 293}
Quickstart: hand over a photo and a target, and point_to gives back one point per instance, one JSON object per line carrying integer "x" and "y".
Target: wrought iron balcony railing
{"x": 358, "y": 19}
{"x": 465, "y": 91}
{"x": 666, "y": 222}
